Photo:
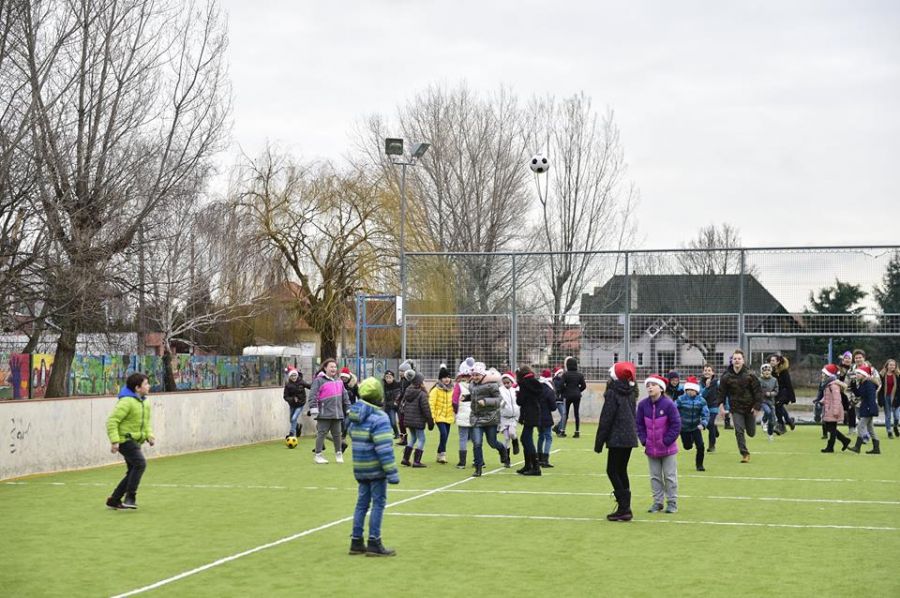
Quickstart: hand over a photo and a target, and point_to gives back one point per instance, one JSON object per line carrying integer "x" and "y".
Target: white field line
{"x": 660, "y": 520}
{"x": 724, "y": 477}
{"x": 290, "y": 538}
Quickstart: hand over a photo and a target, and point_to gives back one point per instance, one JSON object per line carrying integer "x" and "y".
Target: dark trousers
{"x": 782, "y": 414}
{"x": 689, "y": 438}
{"x": 617, "y": 468}
{"x": 570, "y": 403}
{"x": 528, "y": 440}
{"x": 444, "y": 431}
{"x": 136, "y": 464}
{"x": 834, "y": 434}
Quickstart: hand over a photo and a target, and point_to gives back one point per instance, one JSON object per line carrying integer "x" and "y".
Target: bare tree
{"x": 469, "y": 193}
{"x": 716, "y": 251}
{"x": 129, "y": 100}
{"x": 321, "y": 224}
{"x": 585, "y": 202}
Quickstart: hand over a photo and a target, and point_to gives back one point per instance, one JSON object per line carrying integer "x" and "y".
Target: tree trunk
{"x": 62, "y": 363}
{"x": 168, "y": 375}
{"x": 328, "y": 341}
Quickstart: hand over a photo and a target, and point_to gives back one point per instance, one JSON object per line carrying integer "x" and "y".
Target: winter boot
{"x": 545, "y": 461}
{"x": 876, "y": 448}
{"x": 535, "y": 468}
{"x": 611, "y": 516}
{"x": 897, "y": 430}
{"x": 526, "y": 466}
{"x": 417, "y": 459}
{"x": 699, "y": 459}
{"x": 402, "y": 441}
{"x": 477, "y": 473}
{"x": 845, "y": 442}
{"x": 515, "y": 442}
{"x": 855, "y": 448}
{"x": 728, "y": 425}
{"x": 376, "y": 548}
{"x": 462, "y": 460}
{"x": 504, "y": 456}
{"x": 442, "y": 458}
{"x": 624, "y": 512}
{"x": 577, "y": 434}
{"x": 406, "y": 453}
{"x": 357, "y": 546}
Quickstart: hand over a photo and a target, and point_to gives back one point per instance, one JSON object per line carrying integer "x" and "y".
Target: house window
{"x": 640, "y": 360}
{"x": 615, "y": 357}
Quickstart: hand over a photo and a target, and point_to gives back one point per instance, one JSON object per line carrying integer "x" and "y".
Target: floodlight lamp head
{"x": 393, "y": 146}
{"x": 419, "y": 149}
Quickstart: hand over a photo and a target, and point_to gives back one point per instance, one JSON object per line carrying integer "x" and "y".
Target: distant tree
{"x": 888, "y": 298}
{"x": 716, "y": 250}
{"x": 842, "y": 302}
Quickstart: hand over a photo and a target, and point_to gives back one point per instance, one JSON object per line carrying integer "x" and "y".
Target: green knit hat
{"x": 371, "y": 391}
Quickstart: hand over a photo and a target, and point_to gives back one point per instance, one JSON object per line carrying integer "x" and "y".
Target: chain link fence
{"x": 663, "y": 310}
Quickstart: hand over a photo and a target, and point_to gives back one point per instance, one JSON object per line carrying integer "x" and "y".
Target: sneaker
{"x": 655, "y": 508}
{"x": 771, "y": 437}
{"x": 711, "y": 449}
{"x": 319, "y": 459}
{"x": 339, "y": 457}
{"x": 701, "y": 468}
{"x": 114, "y": 503}
{"x": 671, "y": 509}
{"x": 745, "y": 459}
{"x": 129, "y": 503}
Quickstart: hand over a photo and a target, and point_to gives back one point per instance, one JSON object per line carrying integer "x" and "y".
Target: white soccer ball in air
{"x": 539, "y": 163}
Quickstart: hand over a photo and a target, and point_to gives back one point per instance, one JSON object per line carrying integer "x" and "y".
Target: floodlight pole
{"x": 403, "y": 166}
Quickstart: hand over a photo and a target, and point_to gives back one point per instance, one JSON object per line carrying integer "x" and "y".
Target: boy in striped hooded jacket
{"x": 374, "y": 466}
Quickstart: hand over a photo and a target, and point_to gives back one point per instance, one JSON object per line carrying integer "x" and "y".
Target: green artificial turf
{"x": 500, "y": 533}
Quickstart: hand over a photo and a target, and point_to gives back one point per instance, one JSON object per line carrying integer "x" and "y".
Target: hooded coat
{"x": 785, "y": 386}
{"x": 416, "y": 409}
{"x": 487, "y": 390}
{"x": 329, "y": 396}
{"x": 573, "y": 383}
{"x": 529, "y": 398}
{"x": 372, "y": 437}
{"x": 617, "y": 427}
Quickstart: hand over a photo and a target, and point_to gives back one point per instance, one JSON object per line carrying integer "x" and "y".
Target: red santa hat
{"x": 345, "y": 373}
{"x": 692, "y": 384}
{"x": 291, "y": 371}
{"x": 546, "y": 373}
{"x": 658, "y": 380}
{"x": 830, "y": 370}
{"x": 624, "y": 370}
{"x": 509, "y": 376}
{"x": 865, "y": 370}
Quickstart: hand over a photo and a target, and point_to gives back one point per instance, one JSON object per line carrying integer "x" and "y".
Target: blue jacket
{"x": 693, "y": 412}
{"x": 373, "y": 444}
{"x": 868, "y": 406}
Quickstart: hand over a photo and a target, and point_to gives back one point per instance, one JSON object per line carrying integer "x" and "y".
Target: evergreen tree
{"x": 888, "y": 297}
{"x": 840, "y": 299}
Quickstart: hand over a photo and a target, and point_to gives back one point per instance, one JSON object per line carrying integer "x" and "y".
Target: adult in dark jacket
{"x": 529, "y": 399}
{"x": 416, "y": 417}
{"x": 617, "y": 431}
{"x": 573, "y": 385}
{"x": 745, "y": 396}
{"x": 781, "y": 370}
{"x": 295, "y": 396}
{"x": 391, "y": 399}
{"x": 549, "y": 406}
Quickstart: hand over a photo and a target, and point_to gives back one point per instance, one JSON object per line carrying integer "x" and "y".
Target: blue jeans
{"x": 444, "y": 431}
{"x": 296, "y": 412}
{"x": 374, "y": 491}
{"x": 561, "y": 409}
{"x": 392, "y": 417}
{"x": 477, "y": 433}
{"x": 545, "y": 440}
{"x": 416, "y": 438}
{"x": 528, "y": 440}
{"x": 887, "y": 419}
{"x": 769, "y": 417}
{"x": 464, "y": 434}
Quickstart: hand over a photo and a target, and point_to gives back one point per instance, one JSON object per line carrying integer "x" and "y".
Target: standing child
{"x": 440, "y": 400}
{"x": 391, "y": 398}
{"x": 295, "y": 396}
{"x": 549, "y": 406}
{"x": 373, "y": 466}
{"x": 616, "y": 430}
{"x": 529, "y": 398}
{"x": 509, "y": 412}
{"x": 128, "y": 427}
{"x": 675, "y": 388}
{"x": 658, "y": 425}
{"x": 832, "y": 409}
{"x": 865, "y": 390}
{"x": 694, "y": 417}
{"x": 889, "y": 397}
{"x": 416, "y": 416}
{"x": 768, "y": 384}
{"x": 462, "y": 404}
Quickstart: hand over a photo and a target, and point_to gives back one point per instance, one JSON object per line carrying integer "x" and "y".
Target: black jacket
{"x": 416, "y": 409}
{"x": 391, "y": 394}
{"x": 785, "y": 386}
{"x": 742, "y": 390}
{"x": 548, "y": 406}
{"x": 295, "y": 392}
{"x": 573, "y": 383}
{"x": 529, "y": 398}
{"x": 710, "y": 392}
{"x": 617, "y": 428}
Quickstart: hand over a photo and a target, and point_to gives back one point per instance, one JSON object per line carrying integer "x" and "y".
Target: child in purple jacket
{"x": 658, "y": 424}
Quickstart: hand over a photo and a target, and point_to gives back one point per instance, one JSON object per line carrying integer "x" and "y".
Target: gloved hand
{"x": 430, "y": 424}
{"x": 313, "y": 412}
{"x": 598, "y": 447}
{"x": 393, "y": 478}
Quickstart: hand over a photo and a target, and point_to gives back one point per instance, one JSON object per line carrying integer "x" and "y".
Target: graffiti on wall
{"x": 41, "y": 366}
{"x": 15, "y": 377}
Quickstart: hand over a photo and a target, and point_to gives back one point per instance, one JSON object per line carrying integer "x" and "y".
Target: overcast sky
{"x": 782, "y": 118}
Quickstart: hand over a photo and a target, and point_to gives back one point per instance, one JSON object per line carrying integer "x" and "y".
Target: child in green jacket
{"x": 128, "y": 427}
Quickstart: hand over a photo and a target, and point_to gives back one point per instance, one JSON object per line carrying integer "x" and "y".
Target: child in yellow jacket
{"x": 440, "y": 399}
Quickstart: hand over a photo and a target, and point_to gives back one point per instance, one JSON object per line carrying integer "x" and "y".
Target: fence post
{"x": 627, "y": 326}
{"x": 359, "y": 329}
{"x": 742, "y": 336}
{"x": 514, "y": 324}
